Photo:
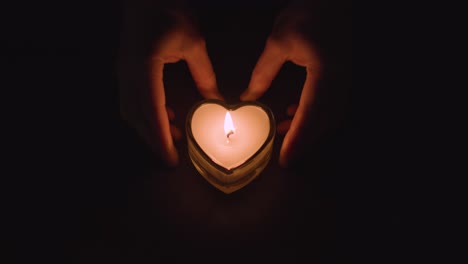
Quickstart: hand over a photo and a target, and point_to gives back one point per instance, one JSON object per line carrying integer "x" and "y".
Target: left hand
{"x": 153, "y": 37}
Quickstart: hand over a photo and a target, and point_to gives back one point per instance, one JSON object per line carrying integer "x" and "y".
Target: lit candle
{"x": 230, "y": 145}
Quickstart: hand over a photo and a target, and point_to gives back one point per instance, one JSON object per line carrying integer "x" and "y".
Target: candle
{"x": 214, "y": 130}
{"x": 230, "y": 145}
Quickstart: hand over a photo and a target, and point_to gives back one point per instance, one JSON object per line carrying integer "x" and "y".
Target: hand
{"x": 152, "y": 38}
{"x": 289, "y": 41}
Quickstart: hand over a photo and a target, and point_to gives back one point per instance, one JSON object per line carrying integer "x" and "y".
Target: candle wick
{"x": 230, "y": 133}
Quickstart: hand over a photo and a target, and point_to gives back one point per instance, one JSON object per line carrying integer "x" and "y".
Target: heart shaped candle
{"x": 230, "y": 145}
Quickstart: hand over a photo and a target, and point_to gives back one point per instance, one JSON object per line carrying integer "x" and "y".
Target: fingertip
{"x": 283, "y": 161}
{"x": 249, "y": 96}
{"x": 168, "y": 152}
{"x": 172, "y": 157}
{"x": 283, "y": 127}
{"x": 243, "y": 96}
{"x": 168, "y": 156}
{"x": 170, "y": 113}
{"x": 214, "y": 95}
{"x": 292, "y": 109}
{"x": 286, "y": 150}
{"x": 175, "y": 133}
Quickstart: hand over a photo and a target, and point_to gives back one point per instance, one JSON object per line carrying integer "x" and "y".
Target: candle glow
{"x": 230, "y": 146}
{"x": 251, "y": 131}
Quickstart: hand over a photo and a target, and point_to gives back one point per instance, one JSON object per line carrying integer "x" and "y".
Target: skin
{"x": 143, "y": 105}
{"x": 143, "y": 99}
{"x": 293, "y": 47}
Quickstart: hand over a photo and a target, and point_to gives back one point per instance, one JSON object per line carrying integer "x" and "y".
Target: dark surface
{"x": 87, "y": 190}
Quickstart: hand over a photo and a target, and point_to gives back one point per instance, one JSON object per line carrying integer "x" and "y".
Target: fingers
{"x": 162, "y": 129}
{"x": 202, "y": 71}
{"x": 284, "y": 126}
{"x": 291, "y": 144}
{"x": 170, "y": 114}
{"x": 268, "y": 65}
{"x": 175, "y": 132}
{"x": 292, "y": 109}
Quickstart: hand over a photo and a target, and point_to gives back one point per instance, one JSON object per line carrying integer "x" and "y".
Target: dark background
{"x": 85, "y": 189}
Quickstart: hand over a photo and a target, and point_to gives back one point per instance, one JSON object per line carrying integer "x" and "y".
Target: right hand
{"x": 150, "y": 40}
{"x": 289, "y": 41}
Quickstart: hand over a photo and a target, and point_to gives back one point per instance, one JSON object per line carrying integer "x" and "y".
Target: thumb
{"x": 159, "y": 117}
{"x": 202, "y": 71}
{"x": 268, "y": 65}
{"x": 293, "y": 142}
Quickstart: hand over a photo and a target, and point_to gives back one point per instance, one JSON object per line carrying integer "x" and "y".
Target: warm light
{"x": 230, "y": 158}
{"x": 229, "y": 128}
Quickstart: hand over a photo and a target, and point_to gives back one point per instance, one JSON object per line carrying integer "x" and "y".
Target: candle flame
{"x": 228, "y": 125}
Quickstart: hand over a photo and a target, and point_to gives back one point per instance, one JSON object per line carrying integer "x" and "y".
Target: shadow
{"x": 101, "y": 196}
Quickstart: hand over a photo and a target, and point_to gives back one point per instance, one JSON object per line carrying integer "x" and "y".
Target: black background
{"x": 85, "y": 189}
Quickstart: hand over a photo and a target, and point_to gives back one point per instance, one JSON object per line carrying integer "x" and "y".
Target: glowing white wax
{"x": 251, "y": 128}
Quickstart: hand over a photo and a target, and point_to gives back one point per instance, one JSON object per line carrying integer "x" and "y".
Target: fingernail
{"x": 214, "y": 95}
{"x": 283, "y": 162}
